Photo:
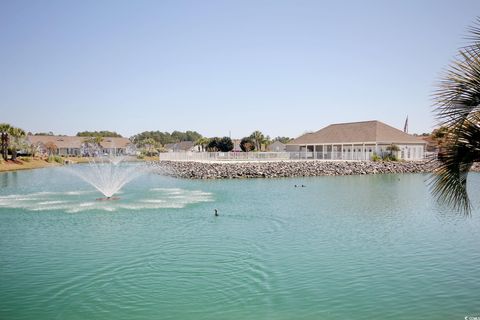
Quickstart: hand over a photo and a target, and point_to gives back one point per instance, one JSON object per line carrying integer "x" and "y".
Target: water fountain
{"x": 108, "y": 174}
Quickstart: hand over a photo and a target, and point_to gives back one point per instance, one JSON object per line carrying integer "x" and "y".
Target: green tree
{"x": 93, "y": 145}
{"x": 202, "y": 142}
{"x": 225, "y": 144}
{"x": 163, "y": 138}
{"x": 258, "y": 139}
{"x": 17, "y": 141}
{"x": 247, "y": 144}
{"x": 50, "y": 133}
{"x": 149, "y": 146}
{"x": 392, "y": 152}
{"x": 284, "y": 140}
{"x": 51, "y": 148}
{"x": 33, "y": 149}
{"x": 103, "y": 133}
{"x": 192, "y": 136}
{"x": 5, "y": 139}
{"x": 457, "y": 107}
{"x": 212, "y": 145}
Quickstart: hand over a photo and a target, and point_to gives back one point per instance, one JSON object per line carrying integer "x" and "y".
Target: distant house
{"x": 236, "y": 145}
{"x": 182, "y": 146}
{"x": 357, "y": 141}
{"x": 277, "y": 146}
{"x": 75, "y": 146}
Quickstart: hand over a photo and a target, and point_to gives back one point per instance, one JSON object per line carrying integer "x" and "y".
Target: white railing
{"x": 273, "y": 156}
{"x": 264, "y": 156}
{"x": 225, "y": 156}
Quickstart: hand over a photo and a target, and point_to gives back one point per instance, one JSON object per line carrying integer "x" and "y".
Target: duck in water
{"x": 216, "y": 213}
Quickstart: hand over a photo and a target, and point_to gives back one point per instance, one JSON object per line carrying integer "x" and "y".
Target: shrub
{"x": 375, "y": 157}
{"x": 225, "y": 144}
{"x": 57, "y": 159}
{"x": 247, "y": 144}
{"x": 212, "y": 145}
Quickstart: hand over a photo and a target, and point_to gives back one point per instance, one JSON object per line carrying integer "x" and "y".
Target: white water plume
{"x": 108, "y": 174}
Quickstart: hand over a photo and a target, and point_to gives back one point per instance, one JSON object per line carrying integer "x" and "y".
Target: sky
{"x": 225, "y": 67}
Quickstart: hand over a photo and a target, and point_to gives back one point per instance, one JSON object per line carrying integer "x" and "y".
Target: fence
{"x": 263, "y": 156}
{"x": 225, "y": 156}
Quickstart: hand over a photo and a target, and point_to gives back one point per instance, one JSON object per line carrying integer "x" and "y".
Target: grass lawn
{"x": 25, "y": 163}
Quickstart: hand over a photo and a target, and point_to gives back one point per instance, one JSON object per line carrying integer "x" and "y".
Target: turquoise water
{"x": 360, "y": 247}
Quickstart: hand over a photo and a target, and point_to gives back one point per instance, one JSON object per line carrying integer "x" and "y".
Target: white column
{"x": 341, "y": 146}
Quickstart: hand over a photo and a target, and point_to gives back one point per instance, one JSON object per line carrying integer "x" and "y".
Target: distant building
{"x": 76, "y": 146}
{"x": 277, "y": 146}
{"x": 357, "y": 141}
{"x": 182, "y": 146}
{"x": 236, "y": 145}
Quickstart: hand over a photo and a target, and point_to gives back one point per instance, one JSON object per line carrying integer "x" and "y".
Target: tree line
{"x": 163, "y": 138}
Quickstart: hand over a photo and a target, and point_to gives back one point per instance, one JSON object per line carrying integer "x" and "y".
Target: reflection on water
{"x": 365, "y": 247}
{"x": 9, "y": 178}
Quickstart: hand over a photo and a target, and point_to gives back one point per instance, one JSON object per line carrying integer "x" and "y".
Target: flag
{"x": 405, "y": 127}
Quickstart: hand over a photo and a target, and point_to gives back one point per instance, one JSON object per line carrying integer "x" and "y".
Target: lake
{"x": 350, "y": 247}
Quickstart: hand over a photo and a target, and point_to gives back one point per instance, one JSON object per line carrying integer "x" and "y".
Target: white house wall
{"x": 350, "y": 151}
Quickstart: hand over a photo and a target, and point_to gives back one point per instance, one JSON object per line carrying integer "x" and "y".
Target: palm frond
{"x": 462, "y": 150}
{"x": 458, "y": 109}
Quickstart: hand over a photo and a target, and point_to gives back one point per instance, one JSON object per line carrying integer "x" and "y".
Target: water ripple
{"x": 79, "y": 201}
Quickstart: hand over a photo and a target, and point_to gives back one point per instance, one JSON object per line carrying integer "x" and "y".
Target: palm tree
{"x": 202, "y": 142}
{"x": 17, "y": 140}
{"x": 4, "y": 139}
{"x": 392, "y": 151}
{"x": 51, "y": 148}
{"x": 458, "y": 110}
{"x": 258, "y": 138}
{"x": 149, "y": 145}
{"x": 93, "y": 145}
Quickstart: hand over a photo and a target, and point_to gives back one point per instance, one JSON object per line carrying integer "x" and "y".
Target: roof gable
{"x": 357, "y": 132}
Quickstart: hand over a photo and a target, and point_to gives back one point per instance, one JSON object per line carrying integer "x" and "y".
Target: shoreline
{"x": 286, "y": 169}
{"x": 28, "y": 163}
{"x": 23, "y": 164}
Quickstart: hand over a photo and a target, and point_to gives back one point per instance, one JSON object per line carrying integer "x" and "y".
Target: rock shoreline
{"x": 283, "y": 169}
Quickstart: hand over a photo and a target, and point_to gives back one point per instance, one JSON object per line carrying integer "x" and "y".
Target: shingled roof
{"x": 357, "y": 132}
{"x": 76, "y": 142}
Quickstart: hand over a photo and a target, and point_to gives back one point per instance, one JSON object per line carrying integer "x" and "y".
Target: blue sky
{"x": 284, "y": 67}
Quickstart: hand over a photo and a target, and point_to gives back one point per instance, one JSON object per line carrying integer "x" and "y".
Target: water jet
{"x": 108, "y": 174}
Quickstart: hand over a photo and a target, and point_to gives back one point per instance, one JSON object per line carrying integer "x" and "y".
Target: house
{"x": 357, "y": 141}
{"x": 236, "y": 145}
{"x": 76, "y": 146}
{"x": 182, "y": 146}
{"x": 117, "y": 146}
{"x": 277, "y": 146}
